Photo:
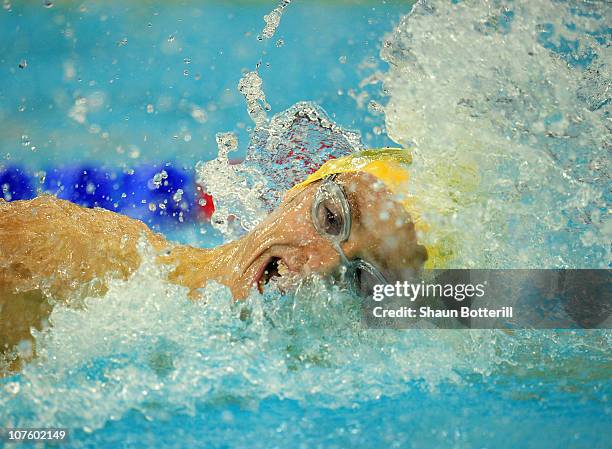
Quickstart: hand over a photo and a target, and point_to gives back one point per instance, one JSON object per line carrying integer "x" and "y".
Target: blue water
{"x": 135, "y": 370}
{"x": 219, "y": 41}
{"x": 172, "y": 57}
{"x": 479, "y": 416}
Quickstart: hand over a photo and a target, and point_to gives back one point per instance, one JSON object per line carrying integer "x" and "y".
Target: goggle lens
{"x": 331, "y": 213}
{"x": 331, "y": 217}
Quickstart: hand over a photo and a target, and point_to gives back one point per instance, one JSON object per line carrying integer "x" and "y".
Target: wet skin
{"x": 381, "y": 233}
{"x": 51, "y": 248}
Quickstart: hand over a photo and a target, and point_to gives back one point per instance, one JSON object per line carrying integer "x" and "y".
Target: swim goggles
{"x": 331, "y": 217}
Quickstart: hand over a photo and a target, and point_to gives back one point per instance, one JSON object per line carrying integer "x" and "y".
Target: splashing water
{"x": 273, "y": 20}
{"x": 294, "y": 144}
{"x": 514, "y": 146}
{"x": 282, "y": 151}
{"x": 507, "y": 108}
{"x": 237, "y": 191}
{"x": 250, "y": 87}
{"x": 146, "y": 346}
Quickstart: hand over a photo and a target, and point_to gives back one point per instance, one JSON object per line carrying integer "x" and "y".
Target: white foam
{"x": 510, "y": 134}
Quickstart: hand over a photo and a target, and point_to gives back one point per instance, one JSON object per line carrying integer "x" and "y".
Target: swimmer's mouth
{"x": 274, "y": 268}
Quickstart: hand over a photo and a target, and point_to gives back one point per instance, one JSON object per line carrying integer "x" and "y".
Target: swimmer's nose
{"x": 322, "y": 258}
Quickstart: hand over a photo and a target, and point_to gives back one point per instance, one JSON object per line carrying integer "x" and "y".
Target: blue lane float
{"x": 16, "y": 184}
{"x": 155, "y": 194}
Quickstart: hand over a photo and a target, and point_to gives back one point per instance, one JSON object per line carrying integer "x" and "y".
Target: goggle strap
{"x": 342, "y": 255}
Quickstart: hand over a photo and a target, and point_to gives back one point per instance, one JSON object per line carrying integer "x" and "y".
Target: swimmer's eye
{"x": 330, "y": 212}
{"x": 329, "y": 220}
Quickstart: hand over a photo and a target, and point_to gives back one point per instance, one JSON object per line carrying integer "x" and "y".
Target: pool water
{"x": 505, "y": 108}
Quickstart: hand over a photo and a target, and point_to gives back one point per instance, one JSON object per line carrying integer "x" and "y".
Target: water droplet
{"x": 226, "y": 142}
{"x": 12, "y": 388}
{"x": 152, "y": 207}
{"x": 250, "y": 86}
{"x": 273, "y": 20}
{"x": 23, "y": 64}
{"x": 178, "y": 195}
{"x": 375, "y": 107}
{"x": 187, "y": 60}
{"x": 198, "y": 114}
{"x": 280, "y": 43}
{"x": 158, "y": 178}
{"x": 134, "y": 153}
{"x": 342, "y": 59}
{"x": 8, "y": 196}
{"x": 217, "y": 219}
{"x": 48, "y": 4}
{"x": 171, "y": 38}
{"x": 150, "y": 109}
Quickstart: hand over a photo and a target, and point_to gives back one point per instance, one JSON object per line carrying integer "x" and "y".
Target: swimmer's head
{"x": 352, "y": 212}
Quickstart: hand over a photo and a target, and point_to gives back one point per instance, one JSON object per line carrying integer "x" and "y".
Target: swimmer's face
{"x": 286, "y": 246}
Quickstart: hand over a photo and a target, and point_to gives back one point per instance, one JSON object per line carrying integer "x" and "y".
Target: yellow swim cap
{"x": 385, "y": 163}
{"x": 390, "y": 165}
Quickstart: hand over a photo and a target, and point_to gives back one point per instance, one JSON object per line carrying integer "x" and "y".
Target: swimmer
{"x": 347, "y": 214}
